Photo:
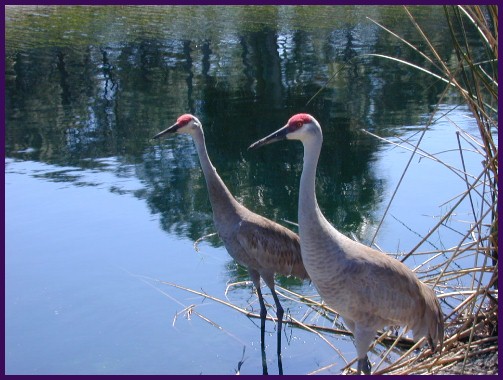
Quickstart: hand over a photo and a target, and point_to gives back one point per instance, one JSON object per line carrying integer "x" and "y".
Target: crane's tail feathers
{"x": 431, "y": 323}
{"x": 439, "y": 326}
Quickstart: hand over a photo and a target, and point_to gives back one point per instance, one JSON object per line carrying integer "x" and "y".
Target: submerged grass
{"x": 469, "y": 295}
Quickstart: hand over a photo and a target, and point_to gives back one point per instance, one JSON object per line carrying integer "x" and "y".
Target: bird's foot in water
{"x": 363, "y": 366}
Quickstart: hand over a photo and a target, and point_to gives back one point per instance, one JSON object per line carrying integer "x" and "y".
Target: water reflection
{"x": 75, "y": 99}
{"x": 68, "y": 104}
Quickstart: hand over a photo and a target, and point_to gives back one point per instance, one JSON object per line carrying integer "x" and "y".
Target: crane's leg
{"x": 363, "y": 366}
{"x": 263, "y": 313}
{"x": 363, "y": 338}
{"x": 431, "y": 344}
{"x": 279, "y": 315}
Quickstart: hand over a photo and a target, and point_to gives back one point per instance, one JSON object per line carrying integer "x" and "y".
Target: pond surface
{"x": 98, "y": 215}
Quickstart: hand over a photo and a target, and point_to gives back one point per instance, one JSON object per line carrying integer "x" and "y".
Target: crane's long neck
{"x": 222, "y": 201}
{"x": 322, "y": 246}
{"x": 309, "y": 213}
{"x": 314, "y": 229}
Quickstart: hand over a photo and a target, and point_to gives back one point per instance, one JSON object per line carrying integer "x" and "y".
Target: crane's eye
{"x": 298, "y": 124}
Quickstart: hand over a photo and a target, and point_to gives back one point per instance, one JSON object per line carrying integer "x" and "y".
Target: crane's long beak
{"x": 280, "y": 134}
{"x": 171, "y": 129}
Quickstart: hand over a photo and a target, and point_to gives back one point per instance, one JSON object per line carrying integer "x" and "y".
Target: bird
{"x": 366, "y": 287}
{"x": 263, "y": 246}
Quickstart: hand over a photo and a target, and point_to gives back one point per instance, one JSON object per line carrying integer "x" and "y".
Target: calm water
{"x": 97, "y": 213}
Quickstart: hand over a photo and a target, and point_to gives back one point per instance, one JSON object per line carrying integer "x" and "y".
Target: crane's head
{"x": 299, "y": 127}
{"x": 184, "y": 124}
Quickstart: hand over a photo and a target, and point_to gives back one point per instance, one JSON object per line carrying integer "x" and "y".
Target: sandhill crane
{"x": 368, "y": 288}
{"x": 260, "y": 244}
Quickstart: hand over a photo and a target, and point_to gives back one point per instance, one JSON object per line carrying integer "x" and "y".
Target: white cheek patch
{"x": 295, "y": 135}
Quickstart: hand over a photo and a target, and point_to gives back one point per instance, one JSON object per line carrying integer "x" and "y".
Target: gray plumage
{"x": 368, "y": 288}
{"x": 261, "y": 245}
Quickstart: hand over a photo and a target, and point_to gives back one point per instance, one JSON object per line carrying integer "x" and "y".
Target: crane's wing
{"x": 391, "y": 292}
{"x": 273, "y": 247}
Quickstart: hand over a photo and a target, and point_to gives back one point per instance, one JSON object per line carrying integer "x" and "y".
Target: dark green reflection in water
{"x": 87, "y": 83}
